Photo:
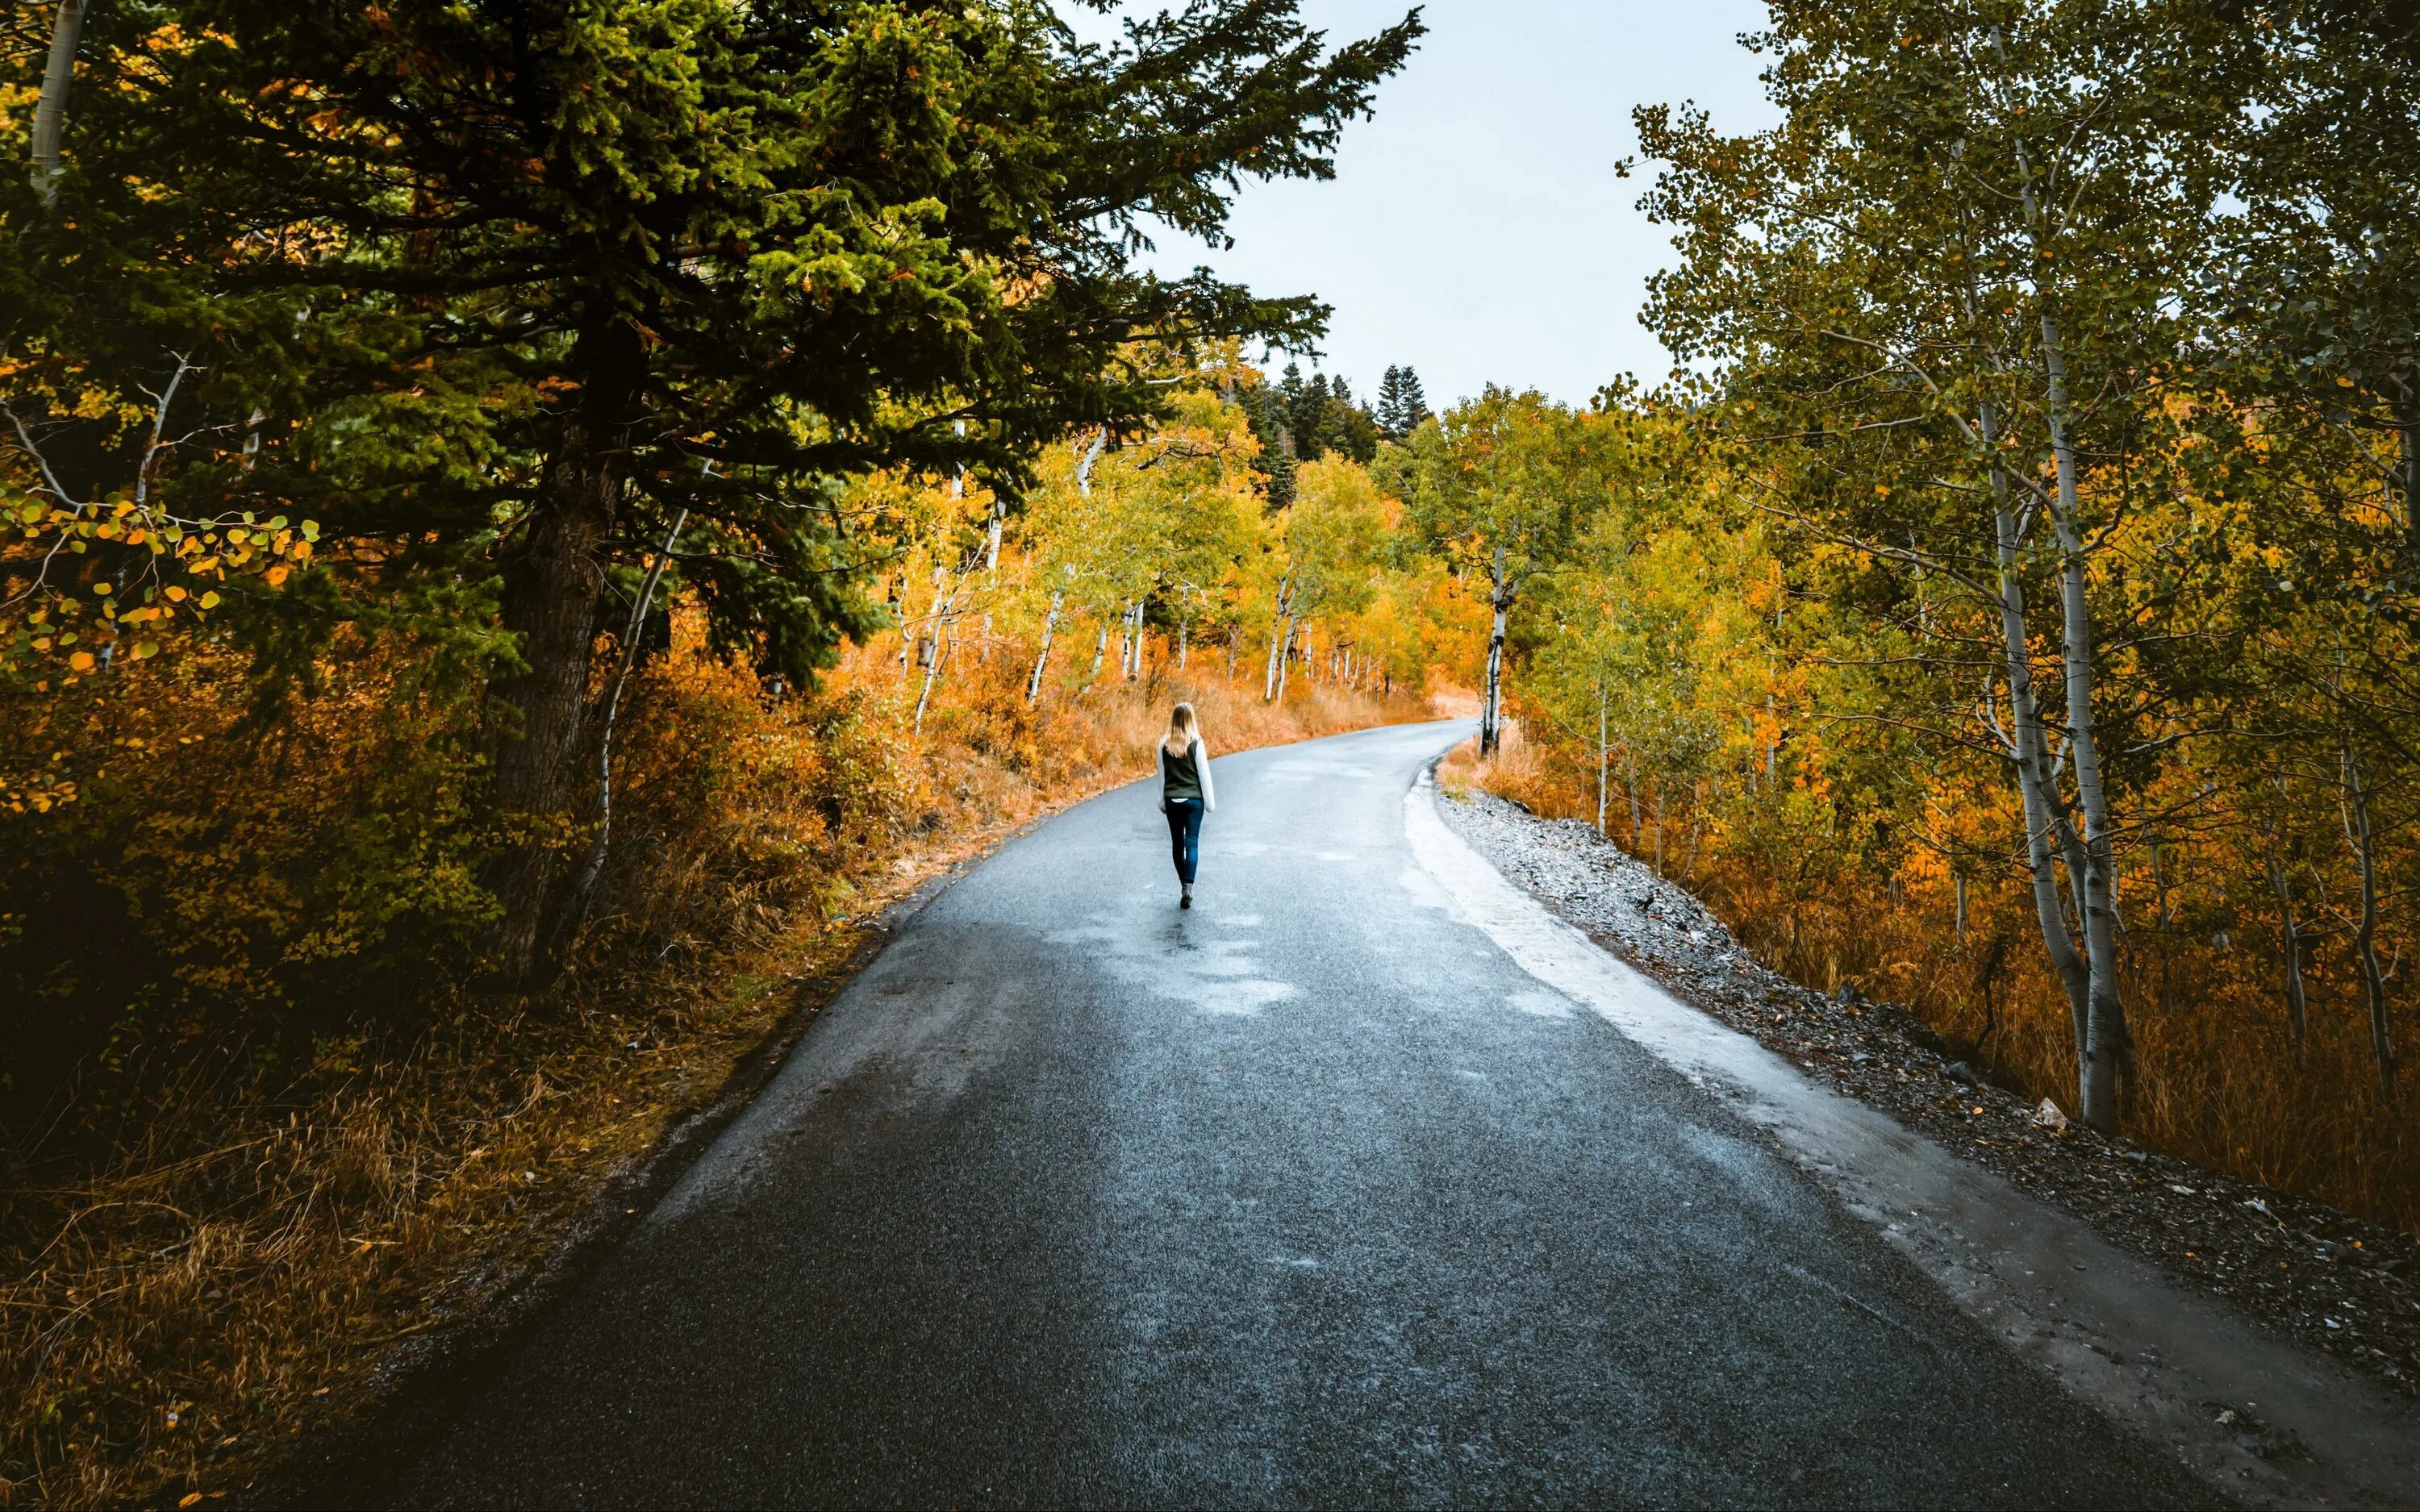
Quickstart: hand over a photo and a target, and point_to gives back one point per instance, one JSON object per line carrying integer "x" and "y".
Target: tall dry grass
{"x": 2215, "y": 1078}
{"x": 216, "y": 1271}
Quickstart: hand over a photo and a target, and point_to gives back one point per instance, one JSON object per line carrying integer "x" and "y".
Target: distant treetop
{"x": 1401, "y": 406}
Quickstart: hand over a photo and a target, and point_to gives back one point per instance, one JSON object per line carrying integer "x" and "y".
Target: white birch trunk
{"x": 1490, "y": 718}
{"x": 1638, "y": 821}
{"x": 583, "y": 895}
{"x": 51, "y": 107}
{"x": 2030, "y": 760}
{"x": 2365, "y": 934}
{"x": 1281, "y": 624}
{"x": 1049, "y": 623}
{"x": 2106, "y": 1035}
{"x": 1600, "y": 762}
{"x": 933, "y": 657}
{"x": 2289, "y": 930}
{"x": 1084, "y": 463}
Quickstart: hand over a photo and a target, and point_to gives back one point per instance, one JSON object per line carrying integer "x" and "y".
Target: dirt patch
{"x": 2298, "y": 1267}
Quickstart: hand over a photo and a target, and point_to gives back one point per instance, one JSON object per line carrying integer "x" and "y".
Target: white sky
{"x": 1475, "y": 228}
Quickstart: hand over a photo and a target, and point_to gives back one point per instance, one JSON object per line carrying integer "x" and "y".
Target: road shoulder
{"x": 2265, "y": 1420}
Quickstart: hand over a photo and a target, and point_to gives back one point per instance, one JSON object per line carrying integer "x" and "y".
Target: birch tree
{"x": 1324, "y": 557}
{"x": 1498, "y": 486}
{"x": 1954, "y": 281}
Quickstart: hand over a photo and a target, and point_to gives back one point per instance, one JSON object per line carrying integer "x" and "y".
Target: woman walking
{"x": 1184, "y": 793}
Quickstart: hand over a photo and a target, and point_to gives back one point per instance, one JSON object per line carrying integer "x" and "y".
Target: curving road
{"x": 1308, "y": 1195}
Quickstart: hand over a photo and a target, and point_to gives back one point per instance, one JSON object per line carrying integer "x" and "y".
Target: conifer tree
{"x": 1348, "y": 426}
{"x": 1265, "y": 409}
{"x": 1307, "y": 416}
{"x": 1290, "y": 389}
{"x": 519, "y": 282}
{"x": 1400, "y": 405}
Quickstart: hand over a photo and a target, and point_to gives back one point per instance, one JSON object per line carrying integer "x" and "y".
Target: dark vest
{"x": 1178, "y": 780}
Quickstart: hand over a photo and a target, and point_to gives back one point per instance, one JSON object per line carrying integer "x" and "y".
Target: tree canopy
{"x": 507, "y": 289}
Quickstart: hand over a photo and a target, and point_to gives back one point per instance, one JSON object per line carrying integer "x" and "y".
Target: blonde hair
{"x": 1183, "y": 729}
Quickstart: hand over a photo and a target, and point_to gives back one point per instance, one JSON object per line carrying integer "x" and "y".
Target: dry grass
{"x": 180, "y": 1313}
{"x": 2215, "y": 1079}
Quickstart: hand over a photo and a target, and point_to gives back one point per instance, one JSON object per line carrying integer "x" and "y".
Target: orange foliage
{"x": 238, "y": 1195}
{"x": 2215, "y": 1081}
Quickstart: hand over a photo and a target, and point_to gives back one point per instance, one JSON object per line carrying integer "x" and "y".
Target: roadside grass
{"x": 226, "y": 1278}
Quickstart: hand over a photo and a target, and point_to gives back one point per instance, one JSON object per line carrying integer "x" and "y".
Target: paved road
{"x": 1308, "y": 1195}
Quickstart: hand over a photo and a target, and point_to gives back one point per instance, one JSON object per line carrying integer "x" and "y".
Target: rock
{"x": 1963, "y": 1072}
{"x": 2049, "y": 1117}
{"x": 1847, "y": 996}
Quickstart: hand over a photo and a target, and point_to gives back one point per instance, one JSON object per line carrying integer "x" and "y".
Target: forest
{"x": 2010, "y": 610}
{"x": 527, "y": 526}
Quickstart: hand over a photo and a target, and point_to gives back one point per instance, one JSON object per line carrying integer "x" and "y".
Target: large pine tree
{"x": 509, "y": 287}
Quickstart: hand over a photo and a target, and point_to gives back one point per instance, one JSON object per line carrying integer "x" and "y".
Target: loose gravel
{"x": 2299, "y": 1267}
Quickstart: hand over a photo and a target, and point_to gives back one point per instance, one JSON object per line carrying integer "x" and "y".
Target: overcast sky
{"x": 1475, "y": 228}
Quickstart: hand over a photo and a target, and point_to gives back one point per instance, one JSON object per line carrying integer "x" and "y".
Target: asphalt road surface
{"x": 1307, "y": 1195}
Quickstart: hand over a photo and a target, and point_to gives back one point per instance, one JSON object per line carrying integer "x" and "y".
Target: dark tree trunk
{"x": 2408, "y": 442}
{"x": 2373, "y": 977}
{"x": 551, "y": 588}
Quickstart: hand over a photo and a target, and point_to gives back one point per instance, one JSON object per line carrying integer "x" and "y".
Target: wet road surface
{"x": 1307, "y": 1195}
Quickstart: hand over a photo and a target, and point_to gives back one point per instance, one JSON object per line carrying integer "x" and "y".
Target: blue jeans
{"x": 1184, "y": 836}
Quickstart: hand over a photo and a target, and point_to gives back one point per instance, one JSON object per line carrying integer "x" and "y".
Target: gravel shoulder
{"x": 2301, "y": 1268}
